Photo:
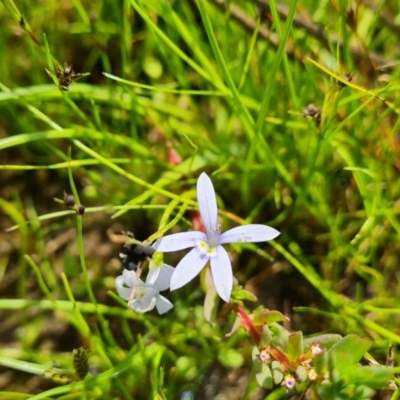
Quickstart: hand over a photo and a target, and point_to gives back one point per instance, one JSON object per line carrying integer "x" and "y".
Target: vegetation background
{"x": 177, "y": 88}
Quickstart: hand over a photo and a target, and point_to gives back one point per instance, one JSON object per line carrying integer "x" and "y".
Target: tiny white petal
{"x": 122, "y": 291}
{"x": 221, "y": 270}
{"x": 249, "y": 233}
{"x": 134, "y": 304}
{"x": 164, "y": 278}
{"x": 143, "y": 306}
{"x": 178, "y": 241}
{"x": 188, "y": 268}
{"x": 207, "y": 202}
{"x": 130, "y": 277}
{"x": 152, "y": 275}
{"x": 163, "y": 305}
{"x": 119, "y": 281}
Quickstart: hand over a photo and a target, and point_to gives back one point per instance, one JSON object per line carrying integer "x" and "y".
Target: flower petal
{"x": 129, "y": 277}
{"x": 249, "y": 233}
{"x": 178, "y": 241}
{"x": 188, "y": 268}
{"x": 143, "y": 306}
{"x": 164, "y": 278}
{"x": 207, "y": 202}
{"x": 122, "y": 291}
{"x": 163, "y": 305}
{"x": 221, "y": 269}
{"x": 152, "y": 275}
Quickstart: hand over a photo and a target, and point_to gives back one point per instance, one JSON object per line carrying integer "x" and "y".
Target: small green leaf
{"x": 266, "y": 317}
{"x": 266, "y": 336}
{"x": 230, "y": 358}
{"x": 277, "y": 372}
{"x": 327, "y": 391}
{"x": 255, "y": 354}
{"x": 264, "y": 377}
{"x": 239, "y": 293}
{"x": 347, "y": 351}
{"x": 375, "y": 377}
{"x": 325, "y": 341}
{"x": 321, "y": 364}
{"x": 301, "y": 373}
{"x": 262, "y": 371}
{"x": 280, "y": 336}
{"x": 186, "y": 367}
{"x": 295, "y": 345}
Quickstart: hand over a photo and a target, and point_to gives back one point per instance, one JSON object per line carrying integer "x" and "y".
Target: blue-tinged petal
{"x": 221, "y": 270}
{"x": 249, "y": 233}
{"x": 122, "y": 291}
{"x": 163, "y": 305}
{"x": 178, "y": 241}
{"x": 143, "y": 306}
{"x": 152, "y": 275}
{"x": 207, "y": 202}
{"x": 134, "y": 304}
{"x": 155, "y": 266}
{"x": 188, "y": 268}
{"x": 129, "y": 277}
{"x": 164, "y": 278}
{"x": 145, "y": 296}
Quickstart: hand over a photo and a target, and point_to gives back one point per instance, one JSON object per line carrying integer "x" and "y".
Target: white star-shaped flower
{"x": 144, "y": 296}
{"x": 208, "y": 246}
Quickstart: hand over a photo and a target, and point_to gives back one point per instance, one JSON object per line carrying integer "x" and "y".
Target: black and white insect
{"x": 132, "y": 254}
{"x": 66, "y": 76}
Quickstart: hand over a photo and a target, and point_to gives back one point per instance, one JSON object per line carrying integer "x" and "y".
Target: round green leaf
{"x": 230, "y": 358}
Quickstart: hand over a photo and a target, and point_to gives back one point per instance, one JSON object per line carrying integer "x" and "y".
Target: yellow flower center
{"x": 206, "y": 248}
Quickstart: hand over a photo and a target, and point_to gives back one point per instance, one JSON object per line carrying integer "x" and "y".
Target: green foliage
{"x": 177, "y": 88}
{"x": 334, "y": 372}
